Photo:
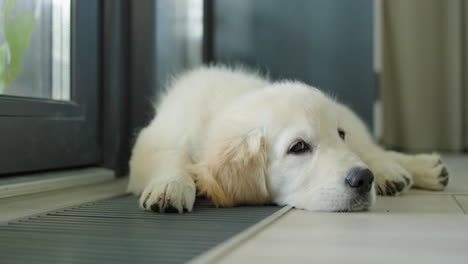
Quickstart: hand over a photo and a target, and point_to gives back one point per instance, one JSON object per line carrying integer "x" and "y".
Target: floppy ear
{"x": 234, "y": 171}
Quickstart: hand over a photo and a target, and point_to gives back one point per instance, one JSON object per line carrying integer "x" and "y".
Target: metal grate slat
{"x": 117, "y": 231}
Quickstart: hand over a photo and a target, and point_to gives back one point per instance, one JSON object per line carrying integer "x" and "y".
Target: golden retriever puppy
{"x": 241, "y": 139}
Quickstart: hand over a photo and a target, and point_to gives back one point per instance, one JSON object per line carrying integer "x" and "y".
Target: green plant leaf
{"x": 3, "y": 53}
{"x": 18, "y": 30}
{"x": 8, "y": 6}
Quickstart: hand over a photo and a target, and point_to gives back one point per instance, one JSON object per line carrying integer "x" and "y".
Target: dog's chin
{"x": 359, "y": 203}
{"x": 353, "y": 203}
{"x": 332, "y": 201}
{"x": 353, "y": 208}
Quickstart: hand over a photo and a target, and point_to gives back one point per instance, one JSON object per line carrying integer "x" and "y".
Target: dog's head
{"x": 283, "y": 144}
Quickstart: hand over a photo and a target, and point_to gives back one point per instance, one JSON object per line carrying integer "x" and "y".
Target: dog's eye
{"x": 341, "y": 133}
{"x": 299, "y": 147}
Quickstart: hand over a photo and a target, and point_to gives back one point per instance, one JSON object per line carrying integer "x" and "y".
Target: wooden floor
{"x": 418, "y": 227}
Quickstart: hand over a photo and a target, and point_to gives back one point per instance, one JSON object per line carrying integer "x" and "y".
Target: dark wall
{"x": 325, "y": 43}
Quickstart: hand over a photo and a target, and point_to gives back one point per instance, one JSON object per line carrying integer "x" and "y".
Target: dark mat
{"x": 117, "y": 231}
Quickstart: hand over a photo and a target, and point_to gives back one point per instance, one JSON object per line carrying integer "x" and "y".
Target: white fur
{"x": 215, "y": 104}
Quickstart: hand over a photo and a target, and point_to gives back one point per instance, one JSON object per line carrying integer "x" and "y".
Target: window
{"x": 90, "y": 71}
{"x": 49, "y": 69}
{"x": 35, "y": 49}
{"x": 179, "y": 37}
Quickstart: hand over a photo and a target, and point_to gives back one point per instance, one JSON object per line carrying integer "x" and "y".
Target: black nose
{"x": 361, "y": 179}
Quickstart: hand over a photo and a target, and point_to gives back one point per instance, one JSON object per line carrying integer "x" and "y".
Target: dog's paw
{"x": 169, "y": 196}
{"x": 429, "y": 172}
{"x": 390, "y": 178}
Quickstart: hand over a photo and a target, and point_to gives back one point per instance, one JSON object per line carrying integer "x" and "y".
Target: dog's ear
{"x": 234, "y": 171}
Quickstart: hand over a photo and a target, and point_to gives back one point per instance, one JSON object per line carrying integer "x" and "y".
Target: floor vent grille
{"x": 117, "y": 231}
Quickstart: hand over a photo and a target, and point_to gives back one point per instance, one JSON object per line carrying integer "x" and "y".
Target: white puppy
{"x": 241, "y": 139}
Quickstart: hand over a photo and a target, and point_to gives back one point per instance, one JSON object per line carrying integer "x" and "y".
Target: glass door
{"x": 48, "y": 84}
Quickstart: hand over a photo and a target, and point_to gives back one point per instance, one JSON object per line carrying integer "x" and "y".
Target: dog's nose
{"x": 361, "y": 179}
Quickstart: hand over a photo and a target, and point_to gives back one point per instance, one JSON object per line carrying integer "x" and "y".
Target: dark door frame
{"x": 128, "y": 77}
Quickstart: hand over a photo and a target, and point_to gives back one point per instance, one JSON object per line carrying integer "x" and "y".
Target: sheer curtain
{"x": 424, "y": 81}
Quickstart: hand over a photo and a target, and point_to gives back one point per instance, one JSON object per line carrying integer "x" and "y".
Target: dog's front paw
{"x": 390, "y": 178}
{"x": 429, "y": 172}
{"x": 169, "y": 196}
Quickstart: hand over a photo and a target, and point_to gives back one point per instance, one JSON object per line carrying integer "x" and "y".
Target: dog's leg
{"x": 171, "y": 187}
{"x": 161, "y": 175}
{"x": 427, "y": 169}
{"x": 390, "y": 177}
